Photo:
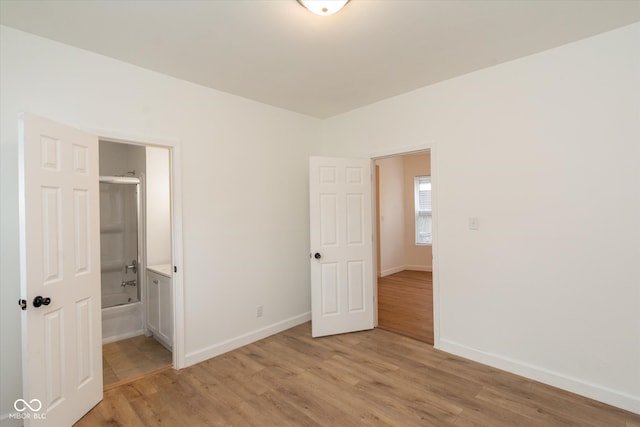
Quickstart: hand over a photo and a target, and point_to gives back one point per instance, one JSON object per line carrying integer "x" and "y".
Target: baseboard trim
{"x": 395, "y": 270}
{"x": 418, "y": 267}
{"x": 593, "y": 391}
{"x": 237, "y": 342}
{"x": 114, "y": 338}
{"x": 390, "y": 271}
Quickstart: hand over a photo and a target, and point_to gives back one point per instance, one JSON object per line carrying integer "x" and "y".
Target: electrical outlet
{"x": 259, "y": 311}
{"x": 473, "y": 223}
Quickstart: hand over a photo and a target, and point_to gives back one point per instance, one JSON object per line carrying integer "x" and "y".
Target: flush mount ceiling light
{"x": 323, "y": 7}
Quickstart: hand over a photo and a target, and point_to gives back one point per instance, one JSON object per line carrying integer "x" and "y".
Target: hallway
{"x": 405, "y": 304}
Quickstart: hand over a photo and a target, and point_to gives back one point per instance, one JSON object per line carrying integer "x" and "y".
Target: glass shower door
{"x": 119, "y": 216}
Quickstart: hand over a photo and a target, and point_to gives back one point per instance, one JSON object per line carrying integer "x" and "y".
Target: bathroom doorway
{"x": 136, "y": 260}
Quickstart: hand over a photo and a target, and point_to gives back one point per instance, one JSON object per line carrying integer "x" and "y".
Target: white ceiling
{"x": 278, "y": 53}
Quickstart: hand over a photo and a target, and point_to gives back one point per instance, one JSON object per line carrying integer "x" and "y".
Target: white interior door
{"x": 342, "y": 297}
{"x": 59, "y": 262}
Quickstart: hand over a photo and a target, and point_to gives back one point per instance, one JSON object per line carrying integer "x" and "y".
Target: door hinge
{"x": 23, "y": 304}
{"x": 175, "y": 268}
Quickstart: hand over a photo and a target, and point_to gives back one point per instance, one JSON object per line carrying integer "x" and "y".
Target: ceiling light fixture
{"x": 323, "y": 7}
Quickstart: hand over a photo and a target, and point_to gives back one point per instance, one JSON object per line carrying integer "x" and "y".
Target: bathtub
{"x": 114, "y": 300}
{"x": 124, "y": 320}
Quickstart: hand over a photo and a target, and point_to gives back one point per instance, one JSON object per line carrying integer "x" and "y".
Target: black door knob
{"x": 38, "y": 301}
{"x": 317, "y": 255}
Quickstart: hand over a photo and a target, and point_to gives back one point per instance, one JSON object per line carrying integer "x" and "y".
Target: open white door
{"x": 60, "y": 272}
{"x": 341, "y": 245}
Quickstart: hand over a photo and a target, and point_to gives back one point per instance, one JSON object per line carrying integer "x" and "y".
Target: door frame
{"x": 177, "y": 261}
{"x": 429, "y": 146}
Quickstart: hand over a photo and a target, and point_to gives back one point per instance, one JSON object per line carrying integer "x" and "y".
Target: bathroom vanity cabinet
{"x": 158, "y": 304}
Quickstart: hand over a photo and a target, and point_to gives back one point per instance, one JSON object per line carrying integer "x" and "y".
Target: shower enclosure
{"x": 119, "y": 236}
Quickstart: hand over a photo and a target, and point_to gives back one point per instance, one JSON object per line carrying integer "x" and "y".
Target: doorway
{"x": 404, "y": 244}
{"x": 136, "y": 260}
{"x": 60, "y": 254}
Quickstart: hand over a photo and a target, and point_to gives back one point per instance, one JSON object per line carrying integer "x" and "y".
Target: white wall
{"x": 118, "y": 159}
{"x": 391, "y": 215}
{"x": 544, "y": 150}
{"x": 158, "y": 206}
{"x": 244, "y": 188}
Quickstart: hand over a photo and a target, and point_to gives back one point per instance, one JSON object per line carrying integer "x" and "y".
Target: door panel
{"x": 341, "y": 235}
{"x": 81, "y": 211}
{"x": 53, "y": 335}
{"x": 84, "y": 308}
{"x": 356, "y": 286}
{"x": 59, "y": 259}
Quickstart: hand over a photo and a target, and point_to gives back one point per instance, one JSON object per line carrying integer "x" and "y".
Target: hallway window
{"x": 423, "y": 210}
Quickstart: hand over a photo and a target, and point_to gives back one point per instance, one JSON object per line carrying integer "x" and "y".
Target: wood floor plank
{"x": 349, "y": 412}
{"x": 282, "y": 412}
{"x": 120, "y": 411}
{"x": 405, "y": 304}
{"x": 375, "y": 378}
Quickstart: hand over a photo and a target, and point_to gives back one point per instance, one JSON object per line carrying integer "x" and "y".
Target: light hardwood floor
{"x": 365, "y": 378}
{"x": 405, "y": 304}
{"x": 130, "y": 358}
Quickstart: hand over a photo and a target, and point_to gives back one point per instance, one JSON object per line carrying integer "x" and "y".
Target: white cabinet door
{"x": 159, "y": 308}
{"x": 59, "y": 272}
{"x": 165, "y": 323}
{"x": 153, "y": 301}
{"x": 341, "y": 245}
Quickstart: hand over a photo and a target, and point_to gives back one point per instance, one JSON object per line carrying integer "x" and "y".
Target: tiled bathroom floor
{"x": 132, "y": 357}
